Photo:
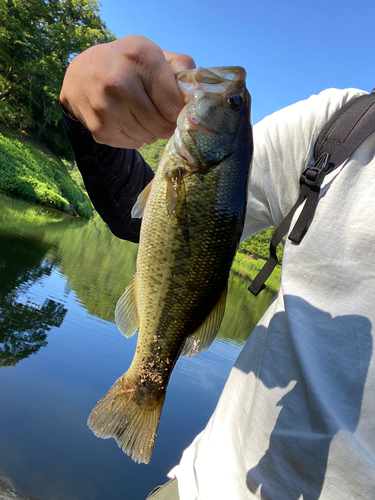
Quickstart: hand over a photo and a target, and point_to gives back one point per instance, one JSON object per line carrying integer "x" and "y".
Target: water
{"x": 60, "y": 352}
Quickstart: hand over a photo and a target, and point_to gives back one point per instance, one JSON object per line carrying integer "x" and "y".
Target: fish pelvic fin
{"x": 133, "y": 425}
{"x": 126, "y": 314}
{"x": 202, "y": 338}
{"x": 140, "y": 204}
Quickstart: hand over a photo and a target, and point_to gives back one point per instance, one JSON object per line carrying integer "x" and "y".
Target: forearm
{"x": 113, "y": 178}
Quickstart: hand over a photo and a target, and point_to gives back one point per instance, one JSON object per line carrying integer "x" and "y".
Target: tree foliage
{"x": 152, "y": 153}
{"x": 38, "y": 39}
{"x": 258, "y": 245}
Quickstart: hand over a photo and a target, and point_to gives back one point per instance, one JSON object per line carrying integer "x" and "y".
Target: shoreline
{"x": 8, "y": 491}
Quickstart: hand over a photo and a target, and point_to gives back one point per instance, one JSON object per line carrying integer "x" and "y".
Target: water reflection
{"x": 242, "y": 311}
{"x": 58, "y": 273}
{"x": 24, "y": 324}
{"x": 98, "y": 266}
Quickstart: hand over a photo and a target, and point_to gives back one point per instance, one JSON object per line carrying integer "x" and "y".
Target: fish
{"x": 192, "y": 214}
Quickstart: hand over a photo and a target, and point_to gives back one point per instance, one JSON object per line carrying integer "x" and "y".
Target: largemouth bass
{"x": 193, "y": 214}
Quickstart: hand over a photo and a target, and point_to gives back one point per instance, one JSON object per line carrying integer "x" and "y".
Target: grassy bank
{"x": 30, "y": 171}
{"x": 247, "y": 267}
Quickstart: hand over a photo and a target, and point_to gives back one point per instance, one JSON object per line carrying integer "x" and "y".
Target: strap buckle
{"x": 313, "y": 175}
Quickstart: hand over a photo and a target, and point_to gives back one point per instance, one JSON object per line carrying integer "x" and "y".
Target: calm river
{"x": 60, "y": 351}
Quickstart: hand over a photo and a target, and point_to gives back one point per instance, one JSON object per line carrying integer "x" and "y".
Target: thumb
{"x": 179, "y": 62}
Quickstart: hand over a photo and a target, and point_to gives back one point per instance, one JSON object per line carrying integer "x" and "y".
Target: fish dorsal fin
{"x": 139, "y": 206}
{"x": 126, "y": 314}
{"x": 202, "y": 338}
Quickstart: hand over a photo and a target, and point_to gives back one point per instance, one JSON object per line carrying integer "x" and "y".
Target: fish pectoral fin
{"x": 203, "y": 337}
{"x": 126, "y": 314}
{"x": 139, "y": 207}
{"x": 174, "y": 182}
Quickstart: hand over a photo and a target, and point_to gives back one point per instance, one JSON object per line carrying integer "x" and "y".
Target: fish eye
{"x": 235, "y": 102}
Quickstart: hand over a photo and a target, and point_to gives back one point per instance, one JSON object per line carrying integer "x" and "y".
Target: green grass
{"x": 30, "y": 171}
{"x": 247, "y": 267}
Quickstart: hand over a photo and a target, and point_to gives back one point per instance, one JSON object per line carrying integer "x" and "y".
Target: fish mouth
{"x": 194, "y": 83}
{"x": 193, "y": 123}
{"x": 208, "y": 79}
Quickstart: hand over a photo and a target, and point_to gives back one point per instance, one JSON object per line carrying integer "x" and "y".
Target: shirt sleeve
{"x": 113, "y": 178}
{"x": 283, "y": 147}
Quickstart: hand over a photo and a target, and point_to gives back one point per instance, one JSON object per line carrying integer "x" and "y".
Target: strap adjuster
{"x": 313, "y": 175}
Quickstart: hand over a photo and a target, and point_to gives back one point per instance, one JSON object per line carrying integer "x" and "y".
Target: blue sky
{"x": 290, "y": 49}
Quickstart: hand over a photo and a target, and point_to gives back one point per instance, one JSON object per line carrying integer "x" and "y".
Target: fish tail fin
{"x": 133, "y": 424}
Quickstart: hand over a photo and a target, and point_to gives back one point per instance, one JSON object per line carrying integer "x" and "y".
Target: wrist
{"x": 65, "y": 106}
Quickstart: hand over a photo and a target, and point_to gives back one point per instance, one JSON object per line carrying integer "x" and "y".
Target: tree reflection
{"x": 24, "y": 324}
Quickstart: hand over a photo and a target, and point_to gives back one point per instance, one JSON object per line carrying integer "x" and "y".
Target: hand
{"x": 125, "y": 91}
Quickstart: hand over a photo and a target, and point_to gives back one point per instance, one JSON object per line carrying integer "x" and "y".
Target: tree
{"x": 23, "y": 324}
{"x": 38, "y": 39}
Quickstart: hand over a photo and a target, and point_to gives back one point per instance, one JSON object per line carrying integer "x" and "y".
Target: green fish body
{"x": 193, "y": 214}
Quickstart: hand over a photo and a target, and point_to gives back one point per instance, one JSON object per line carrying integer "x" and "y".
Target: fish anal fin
{"x": 139, "y": 206}
{"x": 202, "y": 338}
{"x": 126, "y": 314}
{"x": 120, "y": 415}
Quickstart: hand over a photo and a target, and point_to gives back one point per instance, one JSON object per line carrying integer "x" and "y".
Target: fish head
{"x": 217, "y": 110}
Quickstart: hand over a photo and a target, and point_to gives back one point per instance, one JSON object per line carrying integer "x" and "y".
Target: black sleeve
{"x": 113, "y": 178}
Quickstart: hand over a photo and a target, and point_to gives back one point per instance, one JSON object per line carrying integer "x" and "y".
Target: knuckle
{"x": 152, "y": 140}
{"x": 167, "y": 130}
{"x": 139, "y": 50}
{"x": 97, "y": 131}
{"x": 137, "y": 56}
{"x": 119, "y": 86}
{"x": 189, "y": 61}
{"x": 113, "y": 86}
{"x": 100, "y": 106}
{"x": 171, "y": 112}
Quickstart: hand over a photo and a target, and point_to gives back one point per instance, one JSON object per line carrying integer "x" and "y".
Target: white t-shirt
{"x": 296, "y": 419}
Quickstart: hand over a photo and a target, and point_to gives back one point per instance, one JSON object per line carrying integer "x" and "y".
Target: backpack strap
{"x": 346, "y": 130}
{"x": 339, "y": 138}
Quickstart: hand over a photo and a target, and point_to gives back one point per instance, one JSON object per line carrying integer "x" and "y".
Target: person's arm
{"x": 115, "y": 97}
{"x": 113, "y": 178}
